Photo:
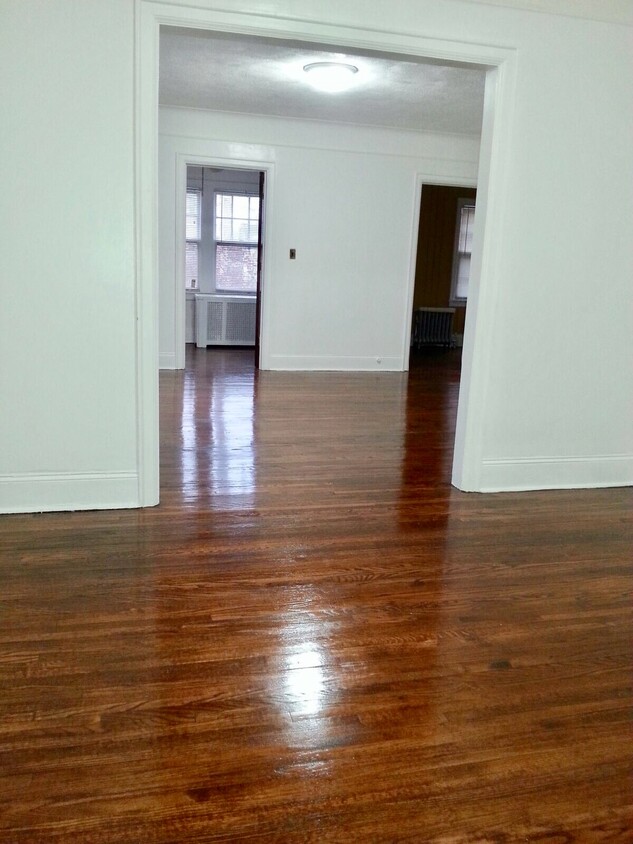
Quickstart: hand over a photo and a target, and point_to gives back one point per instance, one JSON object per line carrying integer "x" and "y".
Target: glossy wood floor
{"x": 314, "y": 638}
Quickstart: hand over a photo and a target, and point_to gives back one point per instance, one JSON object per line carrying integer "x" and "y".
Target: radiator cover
{"x": 225, "y": 320}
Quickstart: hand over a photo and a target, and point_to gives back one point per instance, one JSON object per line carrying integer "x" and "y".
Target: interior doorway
{"x": 442, "y": 267}
{"x": 499, "y": 65}
{"x": 439, "y": 304}
{"x": 222, "y": 254}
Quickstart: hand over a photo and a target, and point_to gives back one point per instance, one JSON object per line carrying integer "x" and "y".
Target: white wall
{"x": 67, "y": 363}
{"x": 560, "y": 395}
{"x": 556, "y": 402}
{"x": 344, "y": 198}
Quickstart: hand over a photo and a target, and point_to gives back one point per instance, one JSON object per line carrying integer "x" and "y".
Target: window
{"x": 192, "y": 235}
{"x": 236, "y": 232}
{"x": 463, "y": 249}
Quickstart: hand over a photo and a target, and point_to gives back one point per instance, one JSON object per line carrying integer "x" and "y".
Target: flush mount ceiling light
{"x": 330, "y": 76}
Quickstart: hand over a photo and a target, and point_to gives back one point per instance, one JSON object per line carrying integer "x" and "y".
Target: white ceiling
{"x": 236, "y": 73}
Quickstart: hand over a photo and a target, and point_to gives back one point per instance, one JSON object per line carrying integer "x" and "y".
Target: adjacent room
{"x": 341, "y": 129}
{"x": 223, "y": 241}
{"x": 343, "y": 139}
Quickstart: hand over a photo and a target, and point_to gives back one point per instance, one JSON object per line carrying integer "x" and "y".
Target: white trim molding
{"x": 52, "y": 491}
{"x": 422, "y": 179}
{"x": 335, "y": 363}
{"x": 517, "y": 474}
{"x": 500, "y": 62}
{"x": 168, "y": 362}
{"x": 485, "y": 276}
{"x": 183, "y": 159}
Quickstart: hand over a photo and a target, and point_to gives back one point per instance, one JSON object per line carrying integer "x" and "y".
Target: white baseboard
{"x": 608, "y": 470}
{"x": 334, "y": 363}
{"x": 39, "y": 493}
{"x": 167, "y": 362}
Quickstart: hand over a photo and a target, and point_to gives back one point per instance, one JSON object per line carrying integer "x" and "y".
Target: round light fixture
{"x": 330, "y": 76}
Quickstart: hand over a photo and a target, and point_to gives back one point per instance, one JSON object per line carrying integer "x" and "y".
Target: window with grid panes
{"x": 463, "y": 249}
{"x": 236, "y": 231}
{"x": 192, "y": 236}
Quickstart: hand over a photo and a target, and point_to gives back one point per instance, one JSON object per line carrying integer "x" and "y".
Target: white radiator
{"x": 433, "y": 327}
{"x": 225, "y": 320}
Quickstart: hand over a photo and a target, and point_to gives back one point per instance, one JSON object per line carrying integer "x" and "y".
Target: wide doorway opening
{"x": 223, "y": 259}
{"x": 401, "y": 300}
{"x": 440, "y": 296}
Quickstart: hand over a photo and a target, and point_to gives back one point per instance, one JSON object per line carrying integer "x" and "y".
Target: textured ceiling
{"x": 252, "y": 75}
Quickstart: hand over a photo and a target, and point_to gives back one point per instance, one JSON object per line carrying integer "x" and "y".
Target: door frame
{"x": 492, "y": 187}
{"x": 422, "y": 180}
{"x": 183, "y": 160}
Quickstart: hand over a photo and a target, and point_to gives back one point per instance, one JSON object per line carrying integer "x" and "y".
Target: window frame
{"x": 223, "y": 291}
{"x": 194, "y": 240}
{"x": 455, "y": 300}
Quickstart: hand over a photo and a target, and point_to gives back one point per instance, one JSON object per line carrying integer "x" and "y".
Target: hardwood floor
{"x": 314, "y": 638}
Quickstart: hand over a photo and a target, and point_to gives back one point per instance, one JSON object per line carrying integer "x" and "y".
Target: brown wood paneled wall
{"x": 436, "y": 242}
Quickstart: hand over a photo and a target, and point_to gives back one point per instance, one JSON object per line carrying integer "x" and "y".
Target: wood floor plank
{"x": 314, "y": 637}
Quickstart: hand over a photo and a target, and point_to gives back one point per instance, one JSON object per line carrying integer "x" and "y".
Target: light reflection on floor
{"x": 304, "y": 681}
{"x": 189, "y": 461}
{"x": 222, "y": 461}
{"x": 305, "y": 672}
{"x": 231, "y": 413}
{"x": 229, "y": 463}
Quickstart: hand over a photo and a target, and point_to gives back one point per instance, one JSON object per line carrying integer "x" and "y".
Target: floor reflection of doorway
{"x": 432, "y": 396}
{"x": 229, "y": 431}
{"x": 207, "y": 417}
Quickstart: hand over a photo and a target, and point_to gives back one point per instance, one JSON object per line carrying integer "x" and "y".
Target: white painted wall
{"x": 560, "y": 386}
{"x": 67, "y": 363}
{"x": 555, "y": 403}
{"x": 344, "y": 199}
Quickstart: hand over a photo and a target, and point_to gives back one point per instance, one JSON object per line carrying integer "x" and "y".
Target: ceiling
{"x": 253, "y": 75}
